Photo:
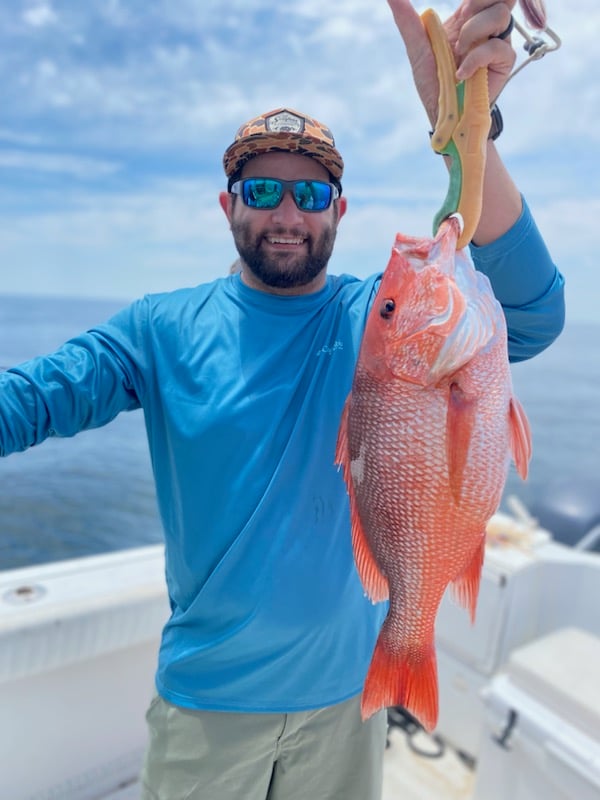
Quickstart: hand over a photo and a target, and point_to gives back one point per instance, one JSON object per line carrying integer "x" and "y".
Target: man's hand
{"x": 471, "y": 32}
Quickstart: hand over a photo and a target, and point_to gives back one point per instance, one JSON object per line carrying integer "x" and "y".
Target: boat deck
{"x": 437, "y": 774}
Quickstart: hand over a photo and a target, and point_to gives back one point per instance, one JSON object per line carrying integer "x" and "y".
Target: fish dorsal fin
{"x": 374, "y": 582}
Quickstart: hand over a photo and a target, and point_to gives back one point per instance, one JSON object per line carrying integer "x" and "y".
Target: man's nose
{"x": 287, "y": 211}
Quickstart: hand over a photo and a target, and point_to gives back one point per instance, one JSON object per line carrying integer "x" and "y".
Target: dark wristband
{"x": 497, "y": 123}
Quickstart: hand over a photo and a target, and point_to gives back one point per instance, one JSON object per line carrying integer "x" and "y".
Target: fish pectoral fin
{"x": 405, "y": 678}
{"x": 460, "y": 422}
{"x": 465, "y": 589}
{"x": 374, "y": 582}
{"x": 520, "y": 437}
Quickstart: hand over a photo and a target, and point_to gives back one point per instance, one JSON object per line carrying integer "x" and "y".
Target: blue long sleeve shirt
{"x": 242, "y": 393}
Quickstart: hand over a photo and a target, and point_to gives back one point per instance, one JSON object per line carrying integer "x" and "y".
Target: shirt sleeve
{"x": 528, "y": 285}
{"x": 84, "y": 384}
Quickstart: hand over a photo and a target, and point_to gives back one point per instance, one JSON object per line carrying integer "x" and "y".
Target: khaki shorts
{"x": 327, "y": 754}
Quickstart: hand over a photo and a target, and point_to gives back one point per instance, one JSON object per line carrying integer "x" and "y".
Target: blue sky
{"x": 115, "y": 115}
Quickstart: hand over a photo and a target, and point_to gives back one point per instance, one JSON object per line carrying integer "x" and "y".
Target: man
{"x": 242, "y": 383}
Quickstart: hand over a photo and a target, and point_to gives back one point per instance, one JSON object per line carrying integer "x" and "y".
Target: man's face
{"x": 283, "y": 249}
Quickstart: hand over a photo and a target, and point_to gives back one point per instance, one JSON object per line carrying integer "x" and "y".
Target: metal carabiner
{"x": 535, "y": 46}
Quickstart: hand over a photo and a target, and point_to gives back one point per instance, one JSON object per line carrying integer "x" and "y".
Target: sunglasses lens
{"x": 262, "y": 192}
{"x": 312, "y": 195}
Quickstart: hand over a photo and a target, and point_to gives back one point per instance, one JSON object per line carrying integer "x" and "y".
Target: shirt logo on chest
{"x": 329, "y": 350}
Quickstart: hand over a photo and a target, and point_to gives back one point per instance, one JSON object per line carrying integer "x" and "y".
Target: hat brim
{"x": 240, "y": 152}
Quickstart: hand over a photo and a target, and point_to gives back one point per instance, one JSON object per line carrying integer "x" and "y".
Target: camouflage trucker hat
{"x": 283, "y": 130}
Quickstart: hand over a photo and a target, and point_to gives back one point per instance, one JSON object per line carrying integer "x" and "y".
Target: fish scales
{"x": 425, "y": 442}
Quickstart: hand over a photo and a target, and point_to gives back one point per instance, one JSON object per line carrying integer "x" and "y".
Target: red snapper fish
{"x": 425, "y": 442}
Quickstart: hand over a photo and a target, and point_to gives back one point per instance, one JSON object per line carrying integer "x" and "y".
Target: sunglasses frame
{"x": 287, "y": 186}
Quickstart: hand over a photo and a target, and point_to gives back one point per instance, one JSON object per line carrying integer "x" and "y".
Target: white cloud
{"x": 20, "y": 138}
{"x": 82, "y": 168}
{"x": 39, "y": 16}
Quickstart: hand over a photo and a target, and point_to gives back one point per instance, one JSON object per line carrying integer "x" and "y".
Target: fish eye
{"x": 387, "y": 308}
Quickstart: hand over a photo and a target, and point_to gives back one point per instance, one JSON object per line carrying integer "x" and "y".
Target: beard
{"x": 284, "y": 270}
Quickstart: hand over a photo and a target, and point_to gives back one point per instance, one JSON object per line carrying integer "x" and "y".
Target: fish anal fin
{"x": 374, "y": 582}
{"x": 405, "y": 678}
{"x": 465, "y": 588}
{"x": 520, "y": 437}
{"x": 460, "y": 422}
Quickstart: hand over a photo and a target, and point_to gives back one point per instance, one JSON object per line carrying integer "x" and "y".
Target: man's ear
{"x": 342, "y": 207}
{"x": 226, "y": 203}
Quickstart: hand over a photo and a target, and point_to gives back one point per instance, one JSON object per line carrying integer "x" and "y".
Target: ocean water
{"x": 66, "y": 498}
{"x": 94, "y": 493}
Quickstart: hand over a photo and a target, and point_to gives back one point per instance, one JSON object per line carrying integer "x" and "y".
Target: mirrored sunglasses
{"x": 267, "y": 193}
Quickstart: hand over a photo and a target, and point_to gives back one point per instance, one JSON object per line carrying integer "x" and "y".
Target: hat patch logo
{"x": 284, "y": 122}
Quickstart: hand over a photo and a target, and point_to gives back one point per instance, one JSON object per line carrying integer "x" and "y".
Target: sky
{"x": 115, "y": 115}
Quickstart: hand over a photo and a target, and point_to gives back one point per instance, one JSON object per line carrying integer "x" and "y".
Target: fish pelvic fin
{"x": 404, "y": 678}
{"x": 465, "y": 589}
{"x": 520, "y": 437}
{"x": 460, "y": 423}
{"x": 374, "y": 582}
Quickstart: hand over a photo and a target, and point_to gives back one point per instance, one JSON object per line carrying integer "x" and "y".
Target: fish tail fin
{"x": 520, "y": 437}
{"x": 465, "y": 588}
{"x": 374, "y": 582}
{"x": 405, "y": 678}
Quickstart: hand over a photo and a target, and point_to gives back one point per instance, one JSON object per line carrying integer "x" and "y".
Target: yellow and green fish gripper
{"x": 461, "y": 131}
